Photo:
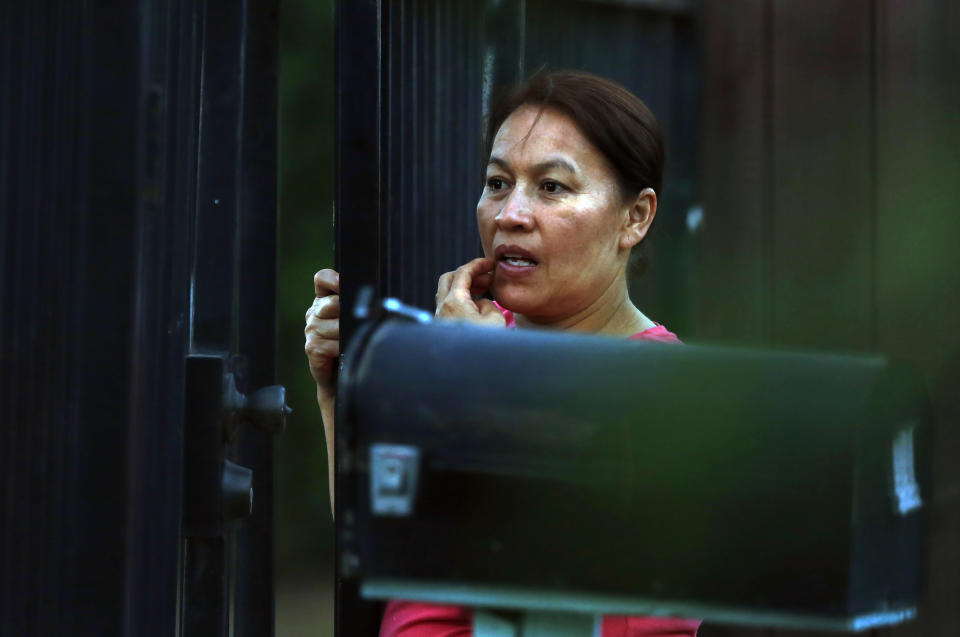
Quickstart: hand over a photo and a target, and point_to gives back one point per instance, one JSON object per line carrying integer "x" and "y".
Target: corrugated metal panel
{"x": 437, "y": 60}
{"x": 167, "y": 105}
{"x": 432, "y": 84}
{"x": 67, "y": 213}
{"x": 99, "y": 118}
{"x": 655, "y": 54}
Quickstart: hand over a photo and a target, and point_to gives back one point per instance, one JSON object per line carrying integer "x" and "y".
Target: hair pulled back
{"x": 613, "y": 119}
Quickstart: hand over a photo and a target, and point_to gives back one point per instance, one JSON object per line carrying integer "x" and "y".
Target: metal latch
{"x": 217, "y": 491}
{"x": 394, "y": 472}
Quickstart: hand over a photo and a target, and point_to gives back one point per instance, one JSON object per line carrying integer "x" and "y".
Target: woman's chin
{"x": 510, "y": 298}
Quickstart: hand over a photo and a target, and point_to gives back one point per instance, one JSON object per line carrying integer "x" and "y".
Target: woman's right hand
{"x": 456, "y": 291}
{"x": 322, "y": 332}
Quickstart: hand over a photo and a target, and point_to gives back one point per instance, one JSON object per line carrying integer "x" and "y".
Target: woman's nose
{"x": 515, "y": 214}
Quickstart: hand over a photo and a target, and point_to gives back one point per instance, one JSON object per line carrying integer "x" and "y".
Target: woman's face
{"x": 551, "y": 215}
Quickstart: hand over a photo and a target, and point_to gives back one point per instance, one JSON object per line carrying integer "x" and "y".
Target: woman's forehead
{"x": 531, "y": 133}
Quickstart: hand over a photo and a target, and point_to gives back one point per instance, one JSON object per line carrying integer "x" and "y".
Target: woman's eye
{"x": 495, "y": 183}
{"x": 553, "y": 187}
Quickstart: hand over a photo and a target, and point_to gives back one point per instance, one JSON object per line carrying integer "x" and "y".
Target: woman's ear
{"x": 639, "y": 217}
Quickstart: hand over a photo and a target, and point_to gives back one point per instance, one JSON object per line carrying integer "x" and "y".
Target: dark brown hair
{"x": 615, "y": 121}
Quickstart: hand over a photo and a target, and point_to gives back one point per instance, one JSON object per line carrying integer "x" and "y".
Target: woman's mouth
{"x": 515, "y": 262}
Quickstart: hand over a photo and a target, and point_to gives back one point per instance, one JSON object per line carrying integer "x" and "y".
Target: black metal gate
{"x": 137, "y": 190}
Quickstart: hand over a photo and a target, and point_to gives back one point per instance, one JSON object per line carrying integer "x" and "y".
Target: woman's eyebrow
{"x": 542, "y": 167}
{"x": 558, "y": 163}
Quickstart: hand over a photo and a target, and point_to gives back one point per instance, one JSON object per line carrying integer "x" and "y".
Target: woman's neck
{"x": 612, "y": 313}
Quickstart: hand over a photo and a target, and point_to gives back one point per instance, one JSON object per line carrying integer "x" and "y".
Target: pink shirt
{"x": 657, "y": 333}
{"x": 417, "y": 619}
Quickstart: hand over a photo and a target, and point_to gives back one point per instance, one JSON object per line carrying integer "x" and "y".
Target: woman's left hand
{"x": 455, "y": 292}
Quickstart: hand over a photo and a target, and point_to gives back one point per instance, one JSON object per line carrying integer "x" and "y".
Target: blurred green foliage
{"x": 304, "y": 525}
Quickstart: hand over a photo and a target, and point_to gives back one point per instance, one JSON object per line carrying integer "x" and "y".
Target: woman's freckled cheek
{"x": 580, "y": 220}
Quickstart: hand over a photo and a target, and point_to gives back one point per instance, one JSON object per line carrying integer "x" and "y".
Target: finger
{"x": 326, "y": 282}
{"x": 312, "y": 310}
{"x": 481, "y": 283}
{"x": 320, "y": 351}
{"x": 325, "y": 307}
{"x": 463, "y": 277}
{"x": 443, "y": 285}
{"x": 328, "y": 329}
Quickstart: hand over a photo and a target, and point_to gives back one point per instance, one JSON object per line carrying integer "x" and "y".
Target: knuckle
{"x": 328, "y": 349}
{"x": 316, "y": 351}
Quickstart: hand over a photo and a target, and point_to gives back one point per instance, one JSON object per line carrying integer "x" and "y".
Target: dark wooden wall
{"x": 830, "y": 190}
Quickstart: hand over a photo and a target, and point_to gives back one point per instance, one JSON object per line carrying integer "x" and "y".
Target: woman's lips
{"x": 515, "y": 262}
{"x": 514, "y": 271}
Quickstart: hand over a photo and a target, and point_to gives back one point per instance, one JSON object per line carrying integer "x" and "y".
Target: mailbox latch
{"x": 394, "y": 471}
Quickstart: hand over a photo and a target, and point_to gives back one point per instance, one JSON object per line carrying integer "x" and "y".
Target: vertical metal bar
{"x": 400, "y": 235}
{"x": 166, "y": 160}
{"x": 872, "y": 146}
{"x": 206, "y": 563}
{"x": 254, "y": 593}
{"x": 505, "y": 40}
{"x": 213, "y": 286}
{"x": 103, "y": 293}
{"x": 358, "y": 241}
{"x": 205, "y": 588}
{"x": 358, "y": 152}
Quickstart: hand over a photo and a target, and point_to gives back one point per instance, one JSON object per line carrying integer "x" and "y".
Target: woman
{"x": 574, "y": 166}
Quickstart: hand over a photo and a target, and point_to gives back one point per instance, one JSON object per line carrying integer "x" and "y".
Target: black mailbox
{"x": 526, "y": 469}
